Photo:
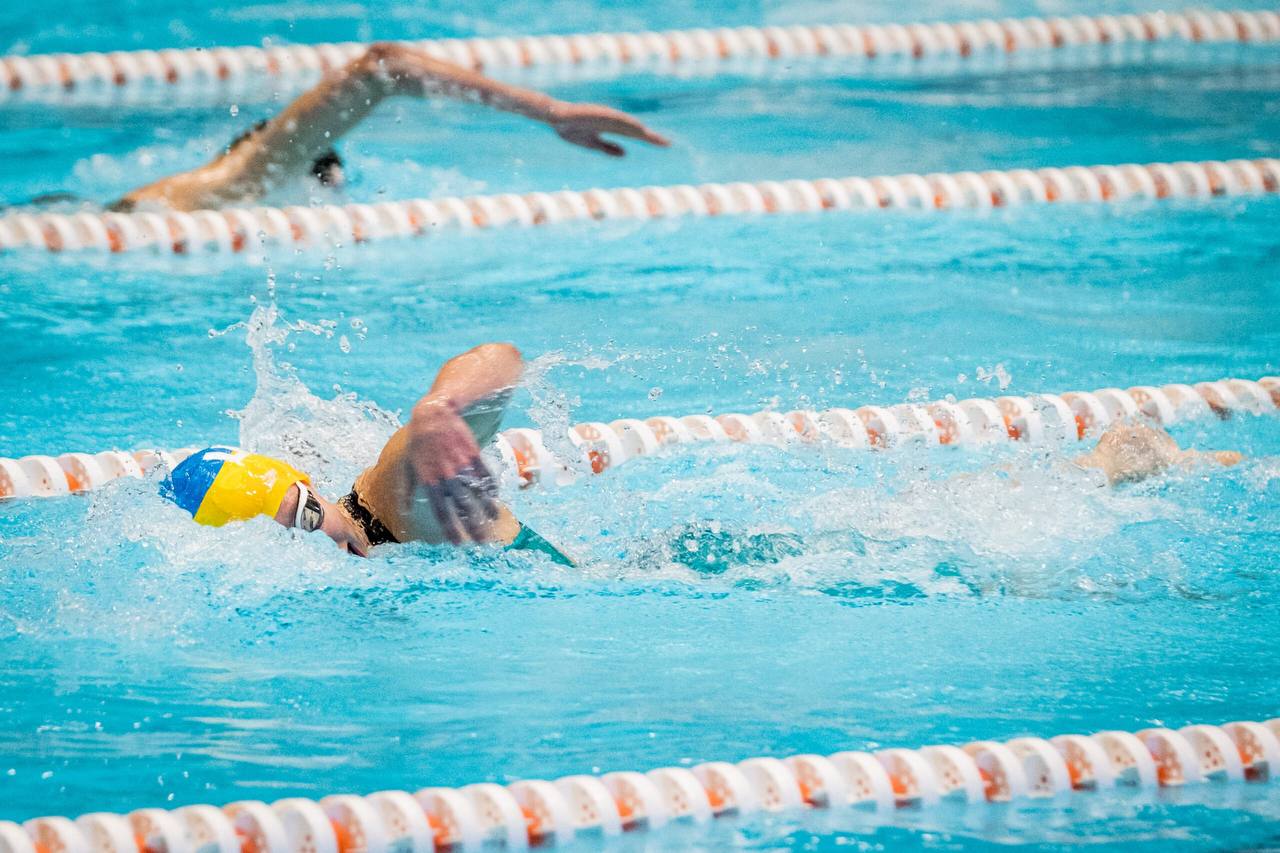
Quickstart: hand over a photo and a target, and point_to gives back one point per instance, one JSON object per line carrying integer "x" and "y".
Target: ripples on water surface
{"x": 733, "y": 601}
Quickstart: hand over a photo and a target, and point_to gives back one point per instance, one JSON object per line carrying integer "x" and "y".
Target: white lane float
{"x": 237, "y": 230}
{"x": 584, "y": 808}
{"x": 225, "y": 68}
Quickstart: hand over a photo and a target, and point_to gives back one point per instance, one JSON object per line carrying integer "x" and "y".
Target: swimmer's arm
{"x": 1225, "y": 458}
{"x": 418, "y": 74}
{"x": 1117, "y": 471}
{"x": 436, "y": 456}
{"x": 308, "y": 127}
{"x": 477, "y": 385}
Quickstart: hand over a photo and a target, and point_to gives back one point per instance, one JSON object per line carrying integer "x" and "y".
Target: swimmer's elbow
{"x": 495, "y": 350}
{"x": 503, "y": 349}
{"x": 381, "y": 58}
{"x": 501, "y": 355}
{"x": 379, "y": 53}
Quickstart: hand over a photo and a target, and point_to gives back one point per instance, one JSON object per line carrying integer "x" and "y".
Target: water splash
{"x": 705, "y": 521}
{"x": 332, "y": 440}
{"x": 552, "y": 407}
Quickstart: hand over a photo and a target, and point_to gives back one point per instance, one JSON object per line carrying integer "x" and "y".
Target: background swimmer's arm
{"x": 1225, "y": 458}
{"x": 437, "y": 454}
{"x": 408, "y": 71}
{"x": 1121, "y": 469}
{"x": 307, "y": 128}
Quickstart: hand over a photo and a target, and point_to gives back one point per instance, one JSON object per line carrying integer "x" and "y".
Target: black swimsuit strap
{"x": 374, "y": 530}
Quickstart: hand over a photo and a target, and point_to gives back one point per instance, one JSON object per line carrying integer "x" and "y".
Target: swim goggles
{"x": 310, "y": 515}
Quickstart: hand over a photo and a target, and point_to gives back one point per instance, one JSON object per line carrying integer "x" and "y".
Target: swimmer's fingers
{"x": 484, "y": 488}
{"x": 465, "y": 504}
{"x": 439, "y": 498}
{"x": 468, "y": 510}
{"x": 624, "y": 125}
{"x": 592, "y": 141}
{"x": 1227, "y": 457}
{"x": 583, "y": 124}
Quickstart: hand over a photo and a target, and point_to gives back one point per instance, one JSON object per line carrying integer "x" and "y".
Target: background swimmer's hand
{"x": 582, "y": 124}
{"x": 1225, "y": 458}
{"x": 446, "y": 467}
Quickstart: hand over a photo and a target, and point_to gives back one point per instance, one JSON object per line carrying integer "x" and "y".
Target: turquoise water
{"x": 733, "y": 601}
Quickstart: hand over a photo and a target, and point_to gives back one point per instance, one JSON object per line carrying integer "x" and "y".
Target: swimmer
{"x": 299, "y": 141}
{"x": 1126, "y": 453}
{"x": 1132, "y": 452}
{"x": 429, "y": 484}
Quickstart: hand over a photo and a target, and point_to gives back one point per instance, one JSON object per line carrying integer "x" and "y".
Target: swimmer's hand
{"x": 447, "y": 470}
{"x": 582, "y": 124}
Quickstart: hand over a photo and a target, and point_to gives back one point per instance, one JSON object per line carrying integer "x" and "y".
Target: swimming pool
{"x": 735, "y": 601}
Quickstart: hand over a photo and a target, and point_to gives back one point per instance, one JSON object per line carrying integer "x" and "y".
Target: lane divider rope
{"x": 244, "y": 230}
{"x": 644, "y": 50}
{"x": 526, "y": 460}
{"x": 595, "y": 808}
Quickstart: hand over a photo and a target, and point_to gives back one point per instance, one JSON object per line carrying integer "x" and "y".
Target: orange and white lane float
{"x": 588, "y": 808}
{"x": 1036, "y": 419}
{"x": 49, "y": 476}
{"x": 967, "y": 41}
{"x": 247, "y": 230}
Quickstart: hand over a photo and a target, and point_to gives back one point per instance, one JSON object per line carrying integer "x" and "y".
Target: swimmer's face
{"x": 334, "y": 178}
{"x": 336, "y": 525}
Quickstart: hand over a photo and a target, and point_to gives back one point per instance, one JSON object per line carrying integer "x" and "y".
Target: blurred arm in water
{"x": 430, "y": 483}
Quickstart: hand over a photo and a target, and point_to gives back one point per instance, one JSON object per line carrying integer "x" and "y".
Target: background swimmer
{"x": 1126, "y": 453}
{"x": 429, "y": 483}
{"x": 1131, "y": 452}
{"x": 299, "y": 141}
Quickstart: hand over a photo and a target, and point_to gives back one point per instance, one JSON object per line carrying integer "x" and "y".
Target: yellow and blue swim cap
{"x": 221, "y": 484}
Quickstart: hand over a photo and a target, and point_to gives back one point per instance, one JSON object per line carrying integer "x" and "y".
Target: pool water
{"x": 733, "y": 601}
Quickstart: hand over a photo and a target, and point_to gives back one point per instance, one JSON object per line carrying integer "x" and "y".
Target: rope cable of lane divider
{"x": 1036, "y": 418}
{"x": 643, "y": 50}
{"x": 589, "y": 807}
{"x": 241, "y": 230}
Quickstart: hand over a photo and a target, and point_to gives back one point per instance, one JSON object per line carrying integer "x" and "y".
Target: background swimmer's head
{"x": 1128, "y": 452}
{"x": 327, "y": 168}
{"x": 218, "y": 485}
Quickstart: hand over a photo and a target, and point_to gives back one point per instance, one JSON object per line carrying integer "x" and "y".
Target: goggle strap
{"x": 302, "y": 505}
